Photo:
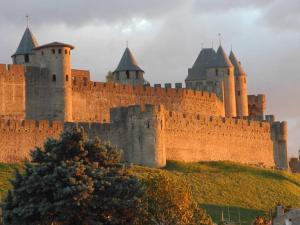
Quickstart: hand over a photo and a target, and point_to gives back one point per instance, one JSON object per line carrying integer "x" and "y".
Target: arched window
{"x": 53, "y": 51}
{"x": 67, "y": 77}
{"x": 59, "y": 51}
{"x": 137, "y": 74}
{"x": 217, "y": 72}
{"x": 238, "y": 93}
{"x": 228, "y": 72}
{"x": 66, "y": 51}
{"x": 53, "y": 77}
{"x": 127, "y": 74}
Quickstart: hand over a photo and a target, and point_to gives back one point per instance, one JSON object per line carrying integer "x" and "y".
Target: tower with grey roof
{"x": 128, "y": 71}
{"x": 25, "y": 52}
{"x": 214, "y": 72}
{"x": 48, "y": 78}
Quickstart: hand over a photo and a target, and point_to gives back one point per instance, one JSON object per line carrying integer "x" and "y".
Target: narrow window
{"x": 148, "y": 124}
{"x": 53, "y": 77}
{"x": 59, "y": 51}
{"x": 42, "y": 52}
{"x": 137, "y": 75}
{"x": 117, "y": 76}
{"x": 84, "y": 81}
{"x": 228, "y": 71}
{"x": 53, "y": 51}
{"x": 66, "y": 51}
{"x": 67, "y": 77}
{"x": 239, "y": 93}
{"x": 217, "y": 72}
{"x": 127, "y": 74}
{"x": 26, "y": 58}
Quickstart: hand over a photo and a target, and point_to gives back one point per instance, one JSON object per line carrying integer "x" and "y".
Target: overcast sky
{"x": 166, "y": 36}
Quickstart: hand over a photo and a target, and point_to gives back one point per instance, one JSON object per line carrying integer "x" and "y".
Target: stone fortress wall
{"x": 212, "y": 119}
{"x": 150, "y": 135}
{"x": 188, "y": 125}
{"x": 12, "y": 91}
{"x": 92, "y": 100}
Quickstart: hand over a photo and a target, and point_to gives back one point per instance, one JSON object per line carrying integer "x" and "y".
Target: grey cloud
{"x": 78, "y": 12}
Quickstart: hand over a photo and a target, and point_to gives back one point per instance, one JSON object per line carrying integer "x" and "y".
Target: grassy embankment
{"x": 219, "y": 186}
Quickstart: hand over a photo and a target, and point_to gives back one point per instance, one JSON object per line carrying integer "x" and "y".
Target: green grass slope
{"x": 217, "y": 186}
{"x": 234, "y": 188}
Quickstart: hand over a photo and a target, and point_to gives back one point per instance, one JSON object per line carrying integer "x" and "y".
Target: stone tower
{"x": 241, "y": 92}
{"x": 25, "y": 53}
{"x": 128, "y": 71}
{"x": 55, "y": 59}
{"x": 225, "y": 70}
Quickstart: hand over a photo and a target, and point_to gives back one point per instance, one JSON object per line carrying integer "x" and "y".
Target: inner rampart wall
{"x": 93, "y": 100}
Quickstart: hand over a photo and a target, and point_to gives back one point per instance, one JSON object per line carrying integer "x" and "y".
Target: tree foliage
{"x": 74, "y": 180}
{"x": 168, "y": 202}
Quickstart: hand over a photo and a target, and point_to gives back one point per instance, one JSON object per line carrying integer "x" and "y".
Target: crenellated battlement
{"x": 12, "y": 68}
{"x": 142, "y": 90}
{"x": 31, "y": 125}
{"x": 12, "y": 73}
{"x": 195, "y": 120}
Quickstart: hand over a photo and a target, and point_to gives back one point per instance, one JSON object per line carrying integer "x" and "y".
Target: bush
{"x": 74, "y": 180}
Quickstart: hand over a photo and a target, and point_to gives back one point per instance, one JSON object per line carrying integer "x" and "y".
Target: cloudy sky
{"x": 166, "y": 37}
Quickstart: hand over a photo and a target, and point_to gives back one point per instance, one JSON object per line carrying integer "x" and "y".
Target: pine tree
{"x": 74, "y": 180}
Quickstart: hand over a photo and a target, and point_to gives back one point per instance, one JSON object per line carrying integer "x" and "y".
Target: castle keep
{"x": 212, "y": 119}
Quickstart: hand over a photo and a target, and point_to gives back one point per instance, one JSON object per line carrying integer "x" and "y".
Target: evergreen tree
{"x": 74, "y": 180}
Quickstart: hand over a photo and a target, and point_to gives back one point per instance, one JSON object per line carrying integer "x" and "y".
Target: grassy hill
{"x": 233, "y": 187}
{"x": 219, "y": 186}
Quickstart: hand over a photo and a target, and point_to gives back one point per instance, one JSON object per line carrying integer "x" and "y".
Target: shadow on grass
{"x": 232, "y": 213}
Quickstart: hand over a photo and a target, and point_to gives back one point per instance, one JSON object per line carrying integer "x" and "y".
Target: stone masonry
{"x": 212, "y": 119}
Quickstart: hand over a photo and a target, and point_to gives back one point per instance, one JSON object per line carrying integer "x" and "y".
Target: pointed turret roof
{"x": 27, "y": 44}
{"x": 206, "y": 58}
{"x": 238, "y": 69}
{"x": 128, "y": 62}
{"x": 222, "y": 59}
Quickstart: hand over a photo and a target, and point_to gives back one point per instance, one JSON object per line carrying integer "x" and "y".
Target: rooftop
{"x": 54, "y": 44}
{"x": 128, "y": 62}
{"x": 27, "y": 44}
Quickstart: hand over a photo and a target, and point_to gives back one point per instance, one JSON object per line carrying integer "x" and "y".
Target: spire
{"x": 238, "y": 69}
{"x": 222, "y": 59}
{"x": 27, "y": 44}
{"x": 128, "y": 62}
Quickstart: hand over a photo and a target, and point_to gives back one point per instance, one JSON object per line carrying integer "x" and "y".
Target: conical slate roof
{"x": 27, "y": 44}
{"x": 238, "y": 69}
{"x": 222, "y": 59}
{"x": 128, "y": 62}
{"x": 206, "y": 59}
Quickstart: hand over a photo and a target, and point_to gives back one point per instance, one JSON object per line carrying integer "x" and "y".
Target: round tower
{"x": 241, "y": 91}
{"x": 55, "y": 58}
{"x": 225, "y": 70}
{"x": 128, "y": 71}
